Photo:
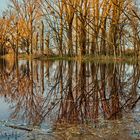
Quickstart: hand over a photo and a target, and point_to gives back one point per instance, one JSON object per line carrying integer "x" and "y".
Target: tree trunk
{"x": 42, "y": 38}
{"x": 70, "y": 44}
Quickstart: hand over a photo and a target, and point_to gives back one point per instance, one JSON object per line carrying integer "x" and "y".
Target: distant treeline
{"x": 70, "y": 27}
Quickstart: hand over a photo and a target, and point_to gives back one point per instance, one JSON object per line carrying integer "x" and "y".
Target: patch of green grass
{"x": 54, "y": 58}
{"x": 86, "y": 58}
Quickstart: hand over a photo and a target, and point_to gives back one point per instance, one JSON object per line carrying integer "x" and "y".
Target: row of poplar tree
{"x": 71, "y": 27}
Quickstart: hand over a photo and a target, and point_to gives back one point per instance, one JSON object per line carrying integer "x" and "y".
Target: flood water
{"x": 69, "y": 100}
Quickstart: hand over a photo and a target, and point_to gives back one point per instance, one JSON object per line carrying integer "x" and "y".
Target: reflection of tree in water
{"x": 22, "y": 89}
{"x": 70, "y": 92}
{"x": 102, "y": 89}
{"x": 6, "y": 66}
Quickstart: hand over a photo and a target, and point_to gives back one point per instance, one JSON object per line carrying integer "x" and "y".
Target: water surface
{"x": 69, "y": 100}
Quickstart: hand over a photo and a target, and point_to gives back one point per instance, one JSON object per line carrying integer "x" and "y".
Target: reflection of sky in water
{"x": 4, "y": 110}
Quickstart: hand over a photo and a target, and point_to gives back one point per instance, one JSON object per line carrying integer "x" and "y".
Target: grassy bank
{"x": 100, "y": 58}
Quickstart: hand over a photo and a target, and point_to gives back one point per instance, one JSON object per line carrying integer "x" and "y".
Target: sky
{"x": 3, "y": 5}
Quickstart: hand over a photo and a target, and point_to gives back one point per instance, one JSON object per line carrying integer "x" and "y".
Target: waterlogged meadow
{"x": 69, "y": 100}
